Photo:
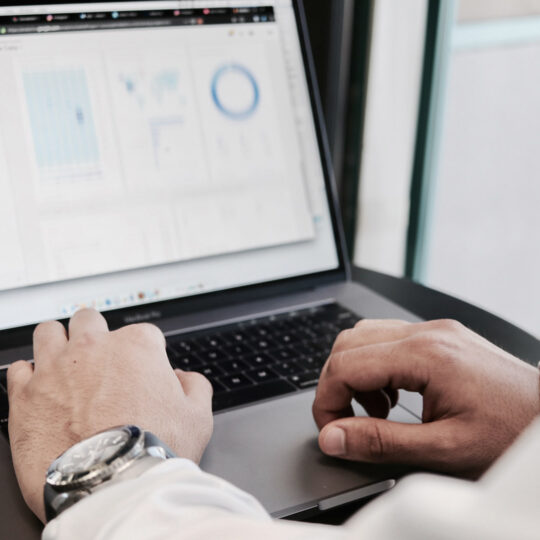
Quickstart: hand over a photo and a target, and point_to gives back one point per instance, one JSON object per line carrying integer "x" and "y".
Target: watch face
{"x": 99, "y": 449}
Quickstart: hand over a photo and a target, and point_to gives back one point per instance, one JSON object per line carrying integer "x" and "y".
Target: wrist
{"x": 100, "y": 461}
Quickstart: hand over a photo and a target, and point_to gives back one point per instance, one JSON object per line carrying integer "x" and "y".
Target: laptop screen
{"x": 152, "y": 151}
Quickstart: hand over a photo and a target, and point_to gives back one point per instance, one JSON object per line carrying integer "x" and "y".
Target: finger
{"x": 195, "y": 386}
{"x": 18, "y": 376}
{"x": 374, "y": 367}
{"x": 50, "y": 339}
{"x": 381, "y": 441}
{"x": 87, "y": 322}
{"x": 369, "y": 332}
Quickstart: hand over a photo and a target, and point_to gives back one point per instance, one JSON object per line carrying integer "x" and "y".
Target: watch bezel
{"x": 99, "y": 472}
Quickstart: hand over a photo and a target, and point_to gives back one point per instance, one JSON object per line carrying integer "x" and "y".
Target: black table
{"x": 424, "y": 302}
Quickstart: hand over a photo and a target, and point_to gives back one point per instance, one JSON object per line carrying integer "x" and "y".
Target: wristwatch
{"x": 106, "y": 458}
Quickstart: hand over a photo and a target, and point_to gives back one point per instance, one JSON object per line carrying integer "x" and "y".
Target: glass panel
{"x": 482, "y": 240}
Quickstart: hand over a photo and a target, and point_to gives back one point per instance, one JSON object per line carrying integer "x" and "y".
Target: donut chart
{"x": 235, "y": 91}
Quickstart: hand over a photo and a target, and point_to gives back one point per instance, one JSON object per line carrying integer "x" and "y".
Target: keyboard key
{"x": 288, "y": 368}
{"x": 259, "y": 360}
{"x": 214, "y": 355}
{"x": 284, "y": 325}
{"x": 186, "y": 362}
{"x": 321, "y": 358}
{"x": 305, "y": 380}
{"x": 305, "y": 349}
{"x": 264, "y": 344}
{"x": 212, "y": 342}
{"x": 287, "y": 353}
{"x": 233, "y": 366}
{"x": 239, "y": 349}
{"x": 323, "y": 345}
{"x": 210, "y": 371}
{"x": 216, "y": 385}
{"x": 183, "y": 346}
{"x": 235, "y": 337}
{"x": 262, "y": 375}
{"x": 236, "y": 381}
{"x": 258, "y": 331}
{"x": 288, "y": 338}
{"x": 309, "y": 362}
{"x": 250, "y": 394}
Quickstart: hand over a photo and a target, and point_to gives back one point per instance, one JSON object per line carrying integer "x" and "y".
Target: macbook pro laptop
{"x": 166, "y": 162}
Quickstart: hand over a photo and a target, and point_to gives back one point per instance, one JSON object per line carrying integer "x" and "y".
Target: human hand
{"x": 477, "y": 397}
{"x": 95, "y": 380}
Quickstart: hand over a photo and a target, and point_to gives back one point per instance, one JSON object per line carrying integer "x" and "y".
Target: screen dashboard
{"x": 154, "y": 150}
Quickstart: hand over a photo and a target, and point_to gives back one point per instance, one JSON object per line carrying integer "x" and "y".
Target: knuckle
{"x": 418, "y": 343}
{"x": 448, "y": 325}
{"x": 148, "y": 331}
{"x": 334, "y": 363}
{"x": 434, "y": 345}
{"x": 86, "y": 339}
{"x": 342, "y": 339}
{"x": 15, "y": 366}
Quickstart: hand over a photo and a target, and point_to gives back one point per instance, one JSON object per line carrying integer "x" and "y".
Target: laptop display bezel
{"x": 153, "y": 312}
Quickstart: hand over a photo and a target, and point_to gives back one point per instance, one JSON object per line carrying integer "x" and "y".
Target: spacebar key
{"x": 234, "y": 398}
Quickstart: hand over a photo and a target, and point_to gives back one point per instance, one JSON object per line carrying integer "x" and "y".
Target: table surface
{"x": 424, "y": 302}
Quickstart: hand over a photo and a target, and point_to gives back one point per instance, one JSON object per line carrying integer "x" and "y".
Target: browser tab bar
{"x": 126, "y": 19}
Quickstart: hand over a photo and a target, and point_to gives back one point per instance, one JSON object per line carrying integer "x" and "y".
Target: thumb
{"x": 374, "y": 440}
{"x": 18, "y": 375}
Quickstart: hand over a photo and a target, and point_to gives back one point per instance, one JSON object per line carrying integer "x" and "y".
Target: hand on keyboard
{"x": 95, "y": 380}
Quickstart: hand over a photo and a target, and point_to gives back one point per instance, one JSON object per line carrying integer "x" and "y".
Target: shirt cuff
{"x": 175, "y": 492}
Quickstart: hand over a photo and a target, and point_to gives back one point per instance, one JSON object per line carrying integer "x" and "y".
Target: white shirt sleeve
{"x": 177, "y": 500}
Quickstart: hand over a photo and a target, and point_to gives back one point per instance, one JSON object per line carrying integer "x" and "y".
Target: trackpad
{"x": 270, "y": 450}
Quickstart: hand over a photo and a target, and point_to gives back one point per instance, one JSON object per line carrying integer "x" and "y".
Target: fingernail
{"x": 333, "y": 442}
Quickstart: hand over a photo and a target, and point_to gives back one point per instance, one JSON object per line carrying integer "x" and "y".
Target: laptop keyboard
{"x": 254, "y": 359}
{"x": 262, "y": 358}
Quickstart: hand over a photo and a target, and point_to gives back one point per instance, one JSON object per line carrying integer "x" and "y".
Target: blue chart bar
{"x": 61, "y": 118}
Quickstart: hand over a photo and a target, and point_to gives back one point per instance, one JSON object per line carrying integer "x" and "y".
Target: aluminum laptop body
{"x": 166, "y": 162}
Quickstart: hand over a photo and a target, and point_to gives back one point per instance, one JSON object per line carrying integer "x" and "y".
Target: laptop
{"x": 166, "y": 162}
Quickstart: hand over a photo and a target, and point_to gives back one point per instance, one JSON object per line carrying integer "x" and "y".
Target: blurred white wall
{"x": 395, "y": 71}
